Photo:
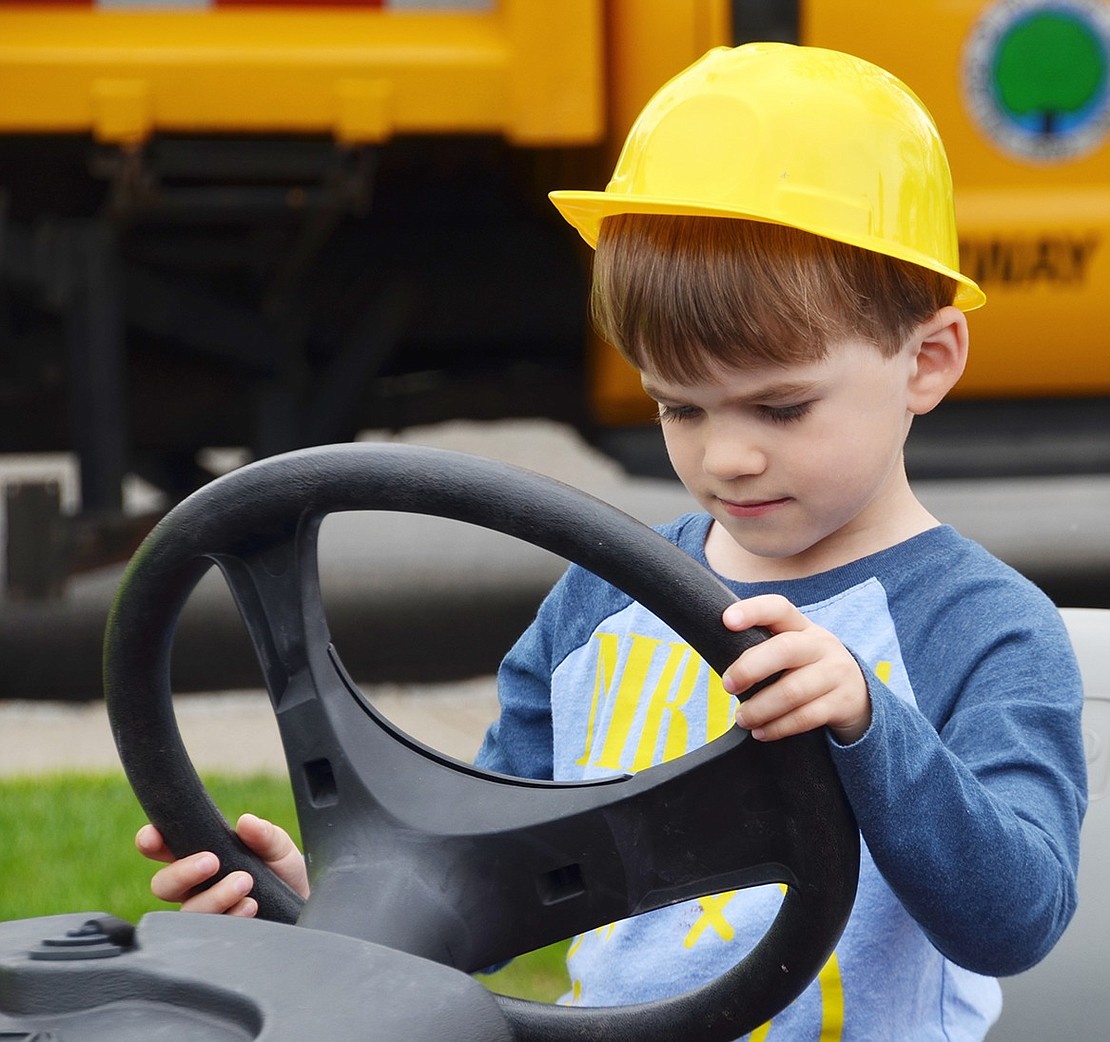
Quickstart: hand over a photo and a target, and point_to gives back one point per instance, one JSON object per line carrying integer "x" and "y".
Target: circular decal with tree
{"x": 1037, "y": 76}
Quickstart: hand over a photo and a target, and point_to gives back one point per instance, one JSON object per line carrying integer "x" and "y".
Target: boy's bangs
{"x": 683, "y": 296}
{"x": 686, "y": 296}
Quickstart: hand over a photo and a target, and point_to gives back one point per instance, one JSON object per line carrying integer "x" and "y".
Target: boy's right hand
{"x": 177, "y": 881}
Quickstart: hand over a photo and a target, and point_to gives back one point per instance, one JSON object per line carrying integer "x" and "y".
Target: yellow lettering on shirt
{"x": 832, "y": 1000}
{"x": 721, "y": 709}
{"x": 712, "y": 916}
{"x": 603, "y": 681}
{"x": 882, "y": 671}
{"x": 667, "y": 699}
{"x": 761, "y": 1033}
{"x": 629, "y": 687}
{"x": 832, "y": 1006}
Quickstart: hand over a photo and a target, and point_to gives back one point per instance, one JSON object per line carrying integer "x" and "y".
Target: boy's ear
{"x": 939, "y": 347}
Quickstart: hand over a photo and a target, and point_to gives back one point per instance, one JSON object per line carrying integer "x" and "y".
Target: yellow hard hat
{"x": 802, "y": 136}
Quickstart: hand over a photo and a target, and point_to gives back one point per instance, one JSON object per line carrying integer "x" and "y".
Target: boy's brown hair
{"x": 685, "y": 295}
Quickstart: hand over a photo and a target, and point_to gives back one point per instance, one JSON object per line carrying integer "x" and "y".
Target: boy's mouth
{"x": 752, "y": 507}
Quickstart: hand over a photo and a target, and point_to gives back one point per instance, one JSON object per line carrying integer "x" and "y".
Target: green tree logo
{"x": 1050, "y": 69}
{"x": 1037, "y": 74}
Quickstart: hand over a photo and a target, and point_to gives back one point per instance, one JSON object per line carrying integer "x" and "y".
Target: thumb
{"x": 275, "y": 847}
{"x": 269, "y": 841}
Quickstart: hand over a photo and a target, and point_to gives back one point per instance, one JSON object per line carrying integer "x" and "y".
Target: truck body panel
{"x": 529, "y": 72}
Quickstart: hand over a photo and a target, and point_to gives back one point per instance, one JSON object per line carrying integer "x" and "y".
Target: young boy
{"x": 776, "y": 255}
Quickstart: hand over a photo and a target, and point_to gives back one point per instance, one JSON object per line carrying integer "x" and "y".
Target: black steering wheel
{"x": 422, "y": 853}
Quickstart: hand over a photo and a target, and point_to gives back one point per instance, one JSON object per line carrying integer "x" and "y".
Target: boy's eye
{"x": 677, "y": 412}
{"x": 785, "y": 413}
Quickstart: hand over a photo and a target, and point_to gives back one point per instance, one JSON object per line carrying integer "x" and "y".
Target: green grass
{"x": 67, "y": 841}
{"x": 66, "y": 846}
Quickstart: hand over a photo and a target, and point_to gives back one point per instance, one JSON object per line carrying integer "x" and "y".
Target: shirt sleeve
{"x": 971, "y": 802}
{"x": 520, "y": 742}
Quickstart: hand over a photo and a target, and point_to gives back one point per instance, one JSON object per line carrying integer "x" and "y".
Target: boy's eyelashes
{"x": 676, "y": 412}
{"x": 773, "y": 413}
{"x": 784, "y": 413}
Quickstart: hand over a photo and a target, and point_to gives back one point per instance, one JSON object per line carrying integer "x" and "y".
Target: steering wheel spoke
{"x": 277, "y": 591}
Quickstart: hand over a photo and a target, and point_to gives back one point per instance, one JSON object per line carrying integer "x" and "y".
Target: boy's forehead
{"x": 763, "y": 382}
{"x": 843, "y": 359}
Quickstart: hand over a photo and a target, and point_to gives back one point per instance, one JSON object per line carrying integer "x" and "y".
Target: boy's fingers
{"x": 798, "y": 722}
{"x": 794, "y": 694}
{"x": 831, "y": 692}
{"x": 269, "y": 841}
{"x": 177, "y": 882}
{"x": 227, "y": 897}
{"x": 246, "y": 909}
{"x": 771, "y": 610}
{"x": 179, "y": 878}
{"x": 276, "y": 848}
{"x": 782, "y": 651}
{"x": 149, "y": 843}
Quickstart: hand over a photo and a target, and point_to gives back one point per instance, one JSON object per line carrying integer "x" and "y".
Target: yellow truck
{"x": 268, "y": 225}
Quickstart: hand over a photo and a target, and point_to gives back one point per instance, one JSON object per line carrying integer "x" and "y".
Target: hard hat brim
{"x": 585, "y": 210}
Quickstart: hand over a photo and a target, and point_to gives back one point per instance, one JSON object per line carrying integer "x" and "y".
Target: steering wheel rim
{"x": 260, "y": 523}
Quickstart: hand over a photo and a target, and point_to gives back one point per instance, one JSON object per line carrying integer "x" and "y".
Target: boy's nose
{"x": 729, "y": 455}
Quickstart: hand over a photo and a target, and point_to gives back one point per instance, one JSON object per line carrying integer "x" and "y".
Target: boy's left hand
{"x": 821, "y": 683}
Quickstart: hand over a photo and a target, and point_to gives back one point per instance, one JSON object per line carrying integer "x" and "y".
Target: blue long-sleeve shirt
{"x": 969, "y": 786}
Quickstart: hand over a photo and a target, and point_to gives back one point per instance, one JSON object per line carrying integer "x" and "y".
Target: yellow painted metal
{"x": 530, "y": 71}
{"x": 1034, "y": 233}
{"x": 647, "y": 42}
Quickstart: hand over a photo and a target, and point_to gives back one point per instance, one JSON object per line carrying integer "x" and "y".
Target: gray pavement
{"x": 234, "y": 732}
